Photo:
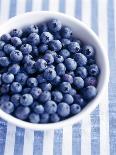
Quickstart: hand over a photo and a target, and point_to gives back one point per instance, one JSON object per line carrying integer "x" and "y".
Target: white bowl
{"x": 81, "y": 31}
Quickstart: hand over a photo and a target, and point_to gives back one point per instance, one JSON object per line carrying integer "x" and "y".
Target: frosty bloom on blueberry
{"x": 46, "y": 74}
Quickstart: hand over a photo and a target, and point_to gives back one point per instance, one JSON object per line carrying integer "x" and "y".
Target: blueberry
{"x": 16, "y": 41}
{"x": 16, "y": 87}
{"x": 2, "y": 54}
{"x": 43, "y": 48}
{"x": 48, "y": 58}
{"x": 8, "y": 48}
{"x": 65, "y": 53}
{"x": 93, "y": 70}
{"x": 41, "y": 79}
{"x": 4, "y": 88}
{"x": 41, "y": 65}
{"x": 45, "y": 96}
{"x": 54, "y": 118}
{"x": 38, "y": 108}
{"x": 33, "y": 39}
{"x": 89, "y": 92}
{"x": 54, "y": 25}
{"x": 6, "y": 38}
{"x": 58, "y": 58}
{"x": 26, "y": 90}
{"x": 90, "y": 81}
{"x": 16, "y": 56}
{"x": 32, "y": 82}
{"x": 65, "y": 87}
{"x": 44, "y": 118}
{"x": 72, "y": 73}
{"x": 14, "y": 69}
{"x": 4, "y": 61}
{"x": 91, "y": 61}
{"x": 22, "y": 112}
{"x": 67, "y": 78}
{"x": 56, "y": 80}
{"x": 46, "y": 86}
{"x": 75, "y": 109}
{"x": 65, "y": 42}
{"x": 30, "y": 67}
{"x": 67, "y": 98}
{"x": 7, "y": 107}
{"x": 46, "y": 37}
{"x": 57, "y": 96}
{"x": 26, "y": 48}
{"x": 72, "y": 91}
{"x": 49, "y": 74}
{"x": 35, "y": 92}
{"x": 70, "y": 64}
{"x": 55, "y": 45}
{"x": 7, "y": 78}
{"x": 66, "y": 32}
{"x": 2, "y": 43}
{"x": 31, "y": 29}
{"x": 57, "y": 35}
{"x": 0, "y": 79}
{"x": 15, "y": 99}
{"x": 34, "y": 118}
{"x": 63, "y": 109}
{"x": 24, "y": 40}
{"x": 60, "y": 69}
{"x": 82, "y": 72}
{"x": 35, "y": 51}
{"x": 4, "y": 98}
{"x": 26, "y": 99}
{"x": 79, "y": 100}
{"x": 88, "y": 51}
{"x": 16, "y": 33}
{"x": 50, "y": 107}
{"x": 27, "y": 58}
{"x": 73, "y": 47}
{"x": 80, "y": 59}
{"x": 53, "y": 53}
{"x": 21, "y": 78}
{"x": 78, "y": 82}
{"x": 43, "y": 28}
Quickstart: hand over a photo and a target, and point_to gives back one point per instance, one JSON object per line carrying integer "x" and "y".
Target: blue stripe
{"x": 76, "y": 139}
{"x": 38, "y": 143}
{"x": 28, "y": 5}
{"x": 19, "y": 141}
{"x": 112, "y": 82}
{"x": 78, "y": 11}
{"x": 57, "y": 149}
{"x": 12, "y": 12}
{"x": 3, "y": 130}
{"x": 95, "y": 119}
{"x": 94, "y": 15}
{"x": 62, "y": 6}
{"x": 95, "y": 132}
{"x": 45, "y": 4}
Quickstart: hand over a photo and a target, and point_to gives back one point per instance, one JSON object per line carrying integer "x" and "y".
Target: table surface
{"x": 96, "y": 134}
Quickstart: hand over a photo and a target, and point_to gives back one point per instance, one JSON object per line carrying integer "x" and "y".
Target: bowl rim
{"x": 89, "y": 108}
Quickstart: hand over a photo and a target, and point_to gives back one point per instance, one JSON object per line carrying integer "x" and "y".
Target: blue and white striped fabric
{"x": 96, "y": 134}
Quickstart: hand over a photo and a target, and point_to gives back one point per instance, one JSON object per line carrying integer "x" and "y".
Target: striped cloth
{"x": 96, "y": 134}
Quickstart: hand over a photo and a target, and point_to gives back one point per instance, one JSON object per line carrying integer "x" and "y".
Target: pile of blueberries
{"x": 46, "y": 74}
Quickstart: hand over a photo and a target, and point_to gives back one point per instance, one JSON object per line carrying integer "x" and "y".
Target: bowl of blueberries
{"x": 53, "y": 70}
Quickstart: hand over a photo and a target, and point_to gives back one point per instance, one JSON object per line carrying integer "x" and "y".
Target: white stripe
{"x": 20, "y": 6}
{"x": 86, "y": 123}
{"x": 36, "y": 5}
{"x": 67, "y": 141}
{"x": 4, "y": 12}
{"x": 104, "y": 116}
{"x": 10, "y": 139}
{"x": 28, "y": 142}
{"x": 69, "y": 7}
{"x": 53, "y": 5}
{"x": 48, "y": 142}
{"x": 115, "y": 22}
